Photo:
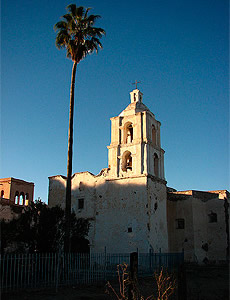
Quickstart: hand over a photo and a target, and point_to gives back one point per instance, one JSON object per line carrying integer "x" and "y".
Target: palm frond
{"x": 91, "y": 47}
{"x": 86, "y": 12}
{"x": 62, "y": 39}
{"x": 72, "y": 9}
{"x": 67, "y": 17}
{"x": 96, "y": 43}
{"x": 60, "y": 25}
{"x": 96, "y": 32}
{"x": 76, "y": 34}
{"x": 100, "y": 31}
{"x": 92, "y": 18}
{"x": 80, "y": 12}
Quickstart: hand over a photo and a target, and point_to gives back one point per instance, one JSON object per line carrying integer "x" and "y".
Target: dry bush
{"x": 129, "y": 288}
{"x": 166, "y": 285}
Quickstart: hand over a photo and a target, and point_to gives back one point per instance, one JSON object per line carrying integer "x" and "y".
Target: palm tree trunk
{"x": 67, "y": 244}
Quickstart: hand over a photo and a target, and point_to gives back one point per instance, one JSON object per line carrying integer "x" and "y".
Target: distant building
{"x": 15, "y": 195}
{"x": 129, "y": 205}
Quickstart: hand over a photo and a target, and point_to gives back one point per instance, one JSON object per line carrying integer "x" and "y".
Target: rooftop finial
{"x": 136, "y": 82}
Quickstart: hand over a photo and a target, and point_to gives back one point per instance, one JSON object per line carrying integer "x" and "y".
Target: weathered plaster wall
{"x": 210, "y": 239}
{"x": 157, "y": 216}
{"x": 180, "y": 239}
{"x": 202, "y": 240}
{"x": 121, "y": 211}
{"x": 121, "y": 204}
{"x": 57, "y": 188}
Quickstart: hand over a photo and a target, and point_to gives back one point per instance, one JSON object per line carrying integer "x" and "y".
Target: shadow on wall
{"x": 125, "y": 211}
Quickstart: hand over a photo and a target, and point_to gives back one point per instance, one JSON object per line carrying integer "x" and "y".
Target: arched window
{"x": 2, "y": 193}
{"x": 154, "y": 135}
{"x": 16, "y": 198}
{"x": 156, "y": 165}
{"x": 128, "y": 133}
{"x": 126, "y": 161}
{"x": 22, "y": 199}
{"x": 26, "y": 199}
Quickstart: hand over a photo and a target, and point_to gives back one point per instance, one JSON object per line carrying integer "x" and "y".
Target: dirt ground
{"x": 203, "y": 283}
{"x": 70, "y": 293}
{"x": 93, "y": 292}
{"x": 208, "y": 282}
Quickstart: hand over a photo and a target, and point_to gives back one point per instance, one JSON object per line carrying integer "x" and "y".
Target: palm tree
{"x": 76, "y": 34}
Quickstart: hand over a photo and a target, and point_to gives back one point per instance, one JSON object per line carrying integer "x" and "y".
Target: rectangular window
{"x": 180, "y": 223}
{"x": 80, "y": 203}
{"x": 212, "y": 217}
{"x": 130, "y": 229}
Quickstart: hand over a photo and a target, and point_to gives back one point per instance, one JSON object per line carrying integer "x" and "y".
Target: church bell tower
{"x": 135, "y": 148}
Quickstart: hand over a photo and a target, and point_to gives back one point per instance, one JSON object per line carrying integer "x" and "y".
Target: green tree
{"x": 76, "y": 34}
{"x": 41, "y": 228}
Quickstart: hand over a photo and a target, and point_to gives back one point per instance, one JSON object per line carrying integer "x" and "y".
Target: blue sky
{"x": 177, "y": 49}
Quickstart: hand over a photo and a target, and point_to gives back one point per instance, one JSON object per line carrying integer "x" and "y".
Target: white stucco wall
{"x": 157, "y": 198}
{"x": 210, "y": 240}
{"x": 201, "y": 239}
{"x": 180, "y": 239}
{"x": 121, "y": 204}
{"x": 113, "y": 206}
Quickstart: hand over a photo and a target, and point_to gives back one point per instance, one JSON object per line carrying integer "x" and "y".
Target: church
{"x": 129, "y": 205}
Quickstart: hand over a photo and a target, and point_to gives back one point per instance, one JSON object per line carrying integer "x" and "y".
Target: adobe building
{"x": 15, "y": 195}
{"x": 128, "y": 204}
{"x": 198, "y": 223}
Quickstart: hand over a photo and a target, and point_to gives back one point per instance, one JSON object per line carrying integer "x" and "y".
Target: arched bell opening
{"x": 126, "y": 161}
{"x": 128, "y": 133}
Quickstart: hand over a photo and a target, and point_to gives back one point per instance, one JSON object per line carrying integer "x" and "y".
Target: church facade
{"x": 128, "y": 204}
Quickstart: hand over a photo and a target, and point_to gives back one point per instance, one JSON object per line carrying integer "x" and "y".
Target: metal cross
{"x": 136, "y": 82}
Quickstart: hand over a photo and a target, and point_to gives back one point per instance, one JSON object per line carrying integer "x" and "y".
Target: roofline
{"x": 16, "y": 180}
{"x": 64, "y": 177}
{"x": 203, "y": 195}
{"x": 213, "y": 191}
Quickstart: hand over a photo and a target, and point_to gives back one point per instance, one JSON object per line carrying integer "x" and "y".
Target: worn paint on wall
{"x": 203, "y": 237}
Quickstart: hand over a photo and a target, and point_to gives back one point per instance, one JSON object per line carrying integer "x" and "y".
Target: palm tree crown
{"x": 76, "y": 33}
